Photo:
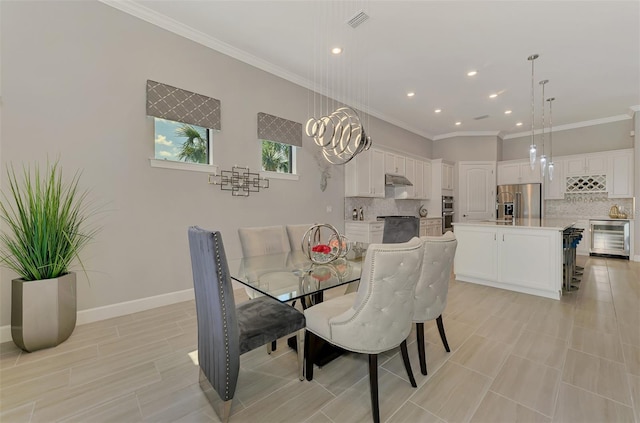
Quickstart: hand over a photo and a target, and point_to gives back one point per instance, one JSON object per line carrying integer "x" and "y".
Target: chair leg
{"x": 373, "y": 386}
{"x": 442, "y": 335}
{"x": 407, "y": 363}
{"x": 309, "y": 354}
{"x": 300, "y": 338}
{"x": 271, "y": 347}
{"x": 421, "y": 350}
{"x": 225, "y": 411}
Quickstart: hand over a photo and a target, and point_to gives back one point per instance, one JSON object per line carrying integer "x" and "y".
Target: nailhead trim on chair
{"x": 224, "y": 314}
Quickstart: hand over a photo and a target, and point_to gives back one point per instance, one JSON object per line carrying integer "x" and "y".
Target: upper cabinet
{"x": 447, "y": 177}
{"x": 364, "y": 175}
{"x": 620, "y": 174}
{"x": 422, "y": 180}
{"x": 554, "y": 189}
{"x": 586, "y": 165}
{"x": 410, "y": 174}
{"x": 518, "y": 172}
{"x": 394, "y": 163}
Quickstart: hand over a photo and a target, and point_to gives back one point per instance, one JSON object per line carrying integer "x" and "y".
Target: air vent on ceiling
{"x": 480, "y": 117}
{"x": 358, "y": 19}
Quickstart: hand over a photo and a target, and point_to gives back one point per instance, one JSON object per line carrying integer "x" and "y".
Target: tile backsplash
{"x": 587, "y": 206}
{"x": 373, "y": 207}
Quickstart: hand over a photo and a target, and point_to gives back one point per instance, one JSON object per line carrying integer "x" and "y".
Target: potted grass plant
{"x": 44, "y": 230}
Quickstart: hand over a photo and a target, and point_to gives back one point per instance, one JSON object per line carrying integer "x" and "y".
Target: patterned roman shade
{"x": 273, "y": 128}
{"x": 167, "y": 102}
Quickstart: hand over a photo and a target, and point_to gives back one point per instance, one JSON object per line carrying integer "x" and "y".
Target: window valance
{"x": 167, "y": 102}
{"x": 273, "y": 128}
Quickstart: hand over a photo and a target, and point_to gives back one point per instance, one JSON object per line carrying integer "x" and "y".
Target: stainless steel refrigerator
{"x": 523, "y": 201}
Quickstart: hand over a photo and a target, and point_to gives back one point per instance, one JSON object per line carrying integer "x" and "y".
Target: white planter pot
{"x": 43, "y": 312}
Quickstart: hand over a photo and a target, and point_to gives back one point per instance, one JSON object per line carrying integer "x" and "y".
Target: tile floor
{"x": 514, "y": 357}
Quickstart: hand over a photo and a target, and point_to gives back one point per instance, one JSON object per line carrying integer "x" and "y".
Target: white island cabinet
{"x": 526, "y": 257}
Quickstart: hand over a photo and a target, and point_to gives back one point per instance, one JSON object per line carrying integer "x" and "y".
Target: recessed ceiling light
{"x": 507, "y": 112}
{"x": 494, "y": 95}
{"x": 458, "y": 123}
{"x": 472, "y": 73}
{"x": 519, "y": 124}
{"x": 336, "y": 50}
{"x": 437, "y": 110}
{"x": 411, "y": 94}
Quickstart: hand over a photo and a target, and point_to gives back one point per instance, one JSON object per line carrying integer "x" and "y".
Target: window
{"x": 182, "y": 142}
{"x": 277, "y": 157}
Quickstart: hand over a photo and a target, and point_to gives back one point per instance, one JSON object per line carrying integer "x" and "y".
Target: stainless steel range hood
{"x": 396, "y": 181}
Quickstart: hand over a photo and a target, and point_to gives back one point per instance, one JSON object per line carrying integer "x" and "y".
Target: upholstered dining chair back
{"x": 218, "y": 334}
{"x": 433, "y": 285}
{"x": 295, "y": 234}
{"x": 380, "y": 317}
{"x": 261, "y": 240}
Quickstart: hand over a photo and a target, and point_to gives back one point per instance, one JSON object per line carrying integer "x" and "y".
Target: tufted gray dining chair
{"x": 226, "y": 331}
{"x": 432, "y": 288}
{"x": 377, "y": 317}
{"x": 260, "y": 241}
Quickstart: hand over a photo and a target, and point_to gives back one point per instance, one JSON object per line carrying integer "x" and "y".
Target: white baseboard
{"x": 119, "y": 309}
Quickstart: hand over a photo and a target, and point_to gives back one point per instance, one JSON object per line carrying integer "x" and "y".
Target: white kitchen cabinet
{"x": 586, "y": 165}
{"x": 418, "y": 180}
{"x": 447, "y": 177}
{"x": 477, "y": 252}
{"x": 394, "y": 163}
{"x": 367, "y": 232}
{"x": 524, "y": 258}
{"x": 518, "y": 172}
{"x": 410, "y": 174}
{"x": 433, "y": 226}
{"x": 518, "y": 259}
{"x": 620, "y": 174}
{"x": 427, "y": 180}
{"x": 364, "y": 175}
{"x": 555, "y": 189}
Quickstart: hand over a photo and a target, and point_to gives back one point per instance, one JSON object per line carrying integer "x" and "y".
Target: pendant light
{"x": 550, "y": 166}
{"x": 532, "y": 147}
{"x": 543, "y": 157}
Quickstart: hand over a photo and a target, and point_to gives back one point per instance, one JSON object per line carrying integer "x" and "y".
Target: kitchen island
{"x": 524, "y": 256}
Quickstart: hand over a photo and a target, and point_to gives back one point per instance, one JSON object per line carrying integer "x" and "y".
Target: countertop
{"x": 558, "y": 224}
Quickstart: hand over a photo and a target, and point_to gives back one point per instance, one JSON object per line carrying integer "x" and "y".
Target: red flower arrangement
{"x": 321, "y": 248}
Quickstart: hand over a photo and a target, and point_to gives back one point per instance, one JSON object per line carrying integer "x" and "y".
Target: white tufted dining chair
{"x": 377, "y": 317}
{"x": 295, "y": 234}
{"x": 432, "y": 288}
{"x": 261, "y": 240}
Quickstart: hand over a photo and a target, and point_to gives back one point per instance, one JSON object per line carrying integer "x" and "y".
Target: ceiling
{"x": 589, "y": 51}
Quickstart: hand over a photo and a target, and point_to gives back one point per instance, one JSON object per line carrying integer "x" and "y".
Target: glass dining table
{"x": 291, "y": 276}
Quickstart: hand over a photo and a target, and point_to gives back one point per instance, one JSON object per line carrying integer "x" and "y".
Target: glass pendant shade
{"x": 532, "y": 155}
{"x": 543, "y": 165}
{"x": 550, "y": 169}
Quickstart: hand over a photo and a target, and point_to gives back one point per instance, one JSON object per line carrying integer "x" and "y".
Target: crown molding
{"x": 466, "y": 134}
{"x": 178, "y": 28}
{"x": 584, "y": 124}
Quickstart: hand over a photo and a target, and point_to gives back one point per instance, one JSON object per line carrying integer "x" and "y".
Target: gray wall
{"x": 73, "y": 87}
{"x": 476, "y": 148}
{"x": 588, "y": 139}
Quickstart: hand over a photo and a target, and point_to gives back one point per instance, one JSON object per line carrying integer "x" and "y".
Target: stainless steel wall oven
{"x": 447, "y": 213}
